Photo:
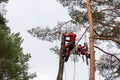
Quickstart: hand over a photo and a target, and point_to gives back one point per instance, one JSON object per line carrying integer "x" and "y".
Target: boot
{"x": 66, "y": 58}
{"x": 88, "y": 56}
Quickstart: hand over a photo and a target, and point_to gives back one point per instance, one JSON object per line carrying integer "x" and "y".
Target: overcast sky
{"x": 26, "y": 14}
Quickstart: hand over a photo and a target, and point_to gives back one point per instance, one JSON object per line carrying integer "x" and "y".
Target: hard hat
{"x": 79, "y": 45}
{"x": 70, "y": 32}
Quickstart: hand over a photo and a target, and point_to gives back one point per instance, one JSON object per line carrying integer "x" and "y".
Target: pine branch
{"x": 106, "y": 24}
{"x": 103, "y": 38}
{"x": 103, "y": 34}
{"x": 55, "y": 49}
{"x": 107, "y": 53}
{"x": 108, "y": 9}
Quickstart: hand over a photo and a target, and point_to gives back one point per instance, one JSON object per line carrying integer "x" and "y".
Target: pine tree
{"x": 13, "y": 62}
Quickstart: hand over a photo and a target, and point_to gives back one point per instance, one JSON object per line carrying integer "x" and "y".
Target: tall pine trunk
{"x": 61, "y": 60}
{"x": 91, "y": 43}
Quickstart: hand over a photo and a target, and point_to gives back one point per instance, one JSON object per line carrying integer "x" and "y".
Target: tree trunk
{"x": 91, "y": 43}
{"x": 61, "y": 60}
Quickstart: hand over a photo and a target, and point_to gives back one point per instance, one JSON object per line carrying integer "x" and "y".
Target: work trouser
{"x": 69, "y": 47}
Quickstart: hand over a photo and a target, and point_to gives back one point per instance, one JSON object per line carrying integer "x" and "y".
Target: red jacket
{"x": 79, "y": 48}
{"x": 72, "y": 37}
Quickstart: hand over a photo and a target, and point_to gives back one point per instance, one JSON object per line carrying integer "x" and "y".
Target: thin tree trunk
{"x": 61, "y": 60}
{"x": 91, "y": 43}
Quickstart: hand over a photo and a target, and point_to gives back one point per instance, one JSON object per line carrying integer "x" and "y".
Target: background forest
{"x": 106, "y": 24}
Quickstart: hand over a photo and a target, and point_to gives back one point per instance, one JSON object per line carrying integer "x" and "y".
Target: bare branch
{"x": 111, "y": 39}
{"x": 61, "y": 25}
{"x": 106, "y": 9}
{"x": 107, "y": 53}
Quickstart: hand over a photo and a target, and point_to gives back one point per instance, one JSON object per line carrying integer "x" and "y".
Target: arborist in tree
{"x": 70, "y": 45}
{"x": 82, "y": 50}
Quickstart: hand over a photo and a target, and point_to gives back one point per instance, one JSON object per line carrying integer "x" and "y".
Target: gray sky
{"x": 25, "y": 14}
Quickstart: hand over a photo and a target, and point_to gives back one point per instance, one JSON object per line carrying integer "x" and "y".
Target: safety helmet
{"x": 70, "y": 32}
{"x": 79, "y": 45}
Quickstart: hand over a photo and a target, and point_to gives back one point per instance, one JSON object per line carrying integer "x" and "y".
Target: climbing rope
{"x": 86, "y": 47}
{"x": 74, "y": 56}
{"x": 99, "y": 73}
{"x": 79, "y": 39}
{"x": 65, "y": 71}
{"x": 82, "y": 35}
{"x": 74, "y": 70}
{"x": 73, "y": 51}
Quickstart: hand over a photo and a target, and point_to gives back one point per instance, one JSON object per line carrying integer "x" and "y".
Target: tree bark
{"x": 91, "y": 43}
{"x": 61, "y": 60}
